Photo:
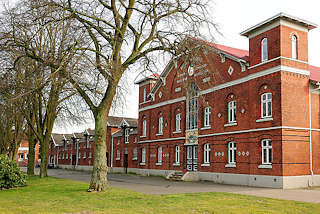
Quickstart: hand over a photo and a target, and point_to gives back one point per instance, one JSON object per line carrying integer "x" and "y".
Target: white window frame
{"x": 144, "y": 128}
{"x": 160, "y": 125}
{"x": 159, "y": 155}
{"x": 266, "y": 101}
{"x": 84, "y": 155}
{"x": 118, "y": 154}
{"x": 126, "y": 135}
{"x": 207, "y": 117}
{"x": 178, "y": 122}
{"x": 21, "y": 155}
{"x": 135, "y": 139}
{"x": 206, "y": 153}
{"x": 90, "y": 154}
{"x": 294, "y": 47}
{"x": 177, "y": 156}
{"x": 144, "y": 94}
{"x": 62, "y": 156}
{"x": 232, "y": 111}
{"x": 266, "y": 152}
{"x": 67, "y": 155}
{"x": 143, "y": 155}
{"x": 192, "y": 108}
{"x": 264, "y": 49}
{"x": 26, "y": 156}
{"x": 232, "y": 153}
{"x": 135, "y": 153}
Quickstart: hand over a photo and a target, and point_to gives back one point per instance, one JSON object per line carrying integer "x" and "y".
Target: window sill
{"x": 230, "y": 165}
{"x": 117, "y": 159}
{"x": 143, "y": 136}
{"x": 126, "y": 142}
{"x": 265, "y": 166}
{"x": 205, "y": 128}
{"x": 264, "y": 119}
{"x": 158, "y": 164}
{"x": 176, "y": 164}
{"x": 205, "y": 164}
{"x": 159, "y": 134}
{"x": 142, "y": 164}
{"x": 176, "y": 132}
{"x": 191, "y": 130}
{"x": 230, "y": 124}
{"x": 134, "y": 158}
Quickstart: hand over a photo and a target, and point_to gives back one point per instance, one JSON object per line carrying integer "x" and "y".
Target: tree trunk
{"x": 44, "y": 158}
{"x": 31, "y": 155}
{"x": 99, "y": 181}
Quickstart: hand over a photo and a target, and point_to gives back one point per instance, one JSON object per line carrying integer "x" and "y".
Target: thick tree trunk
{"x": 31, "y": 155}
{"x": 99, "y": 180}
{"x": 44, "y": 158}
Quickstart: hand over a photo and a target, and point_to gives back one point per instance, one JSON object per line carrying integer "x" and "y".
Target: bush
{"x": 10, "y": 174}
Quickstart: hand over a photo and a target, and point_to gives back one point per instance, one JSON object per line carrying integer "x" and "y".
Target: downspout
{"x": 111, "y": 155}
{"x": 310, "y": 129}
{"x": 77, "y": 154}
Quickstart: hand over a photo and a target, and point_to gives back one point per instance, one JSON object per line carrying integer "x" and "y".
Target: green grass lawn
{"x": 52, "y": 195}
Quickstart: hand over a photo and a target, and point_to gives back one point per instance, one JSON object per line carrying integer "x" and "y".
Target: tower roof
{"x": 307, "y": 24}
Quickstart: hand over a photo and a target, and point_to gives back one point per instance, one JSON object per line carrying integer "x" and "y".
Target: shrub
{"x": 10, "y": 174}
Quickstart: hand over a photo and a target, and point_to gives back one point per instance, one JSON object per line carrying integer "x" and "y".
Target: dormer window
{"x": 294, "y": 47}
{"x": 264, "y": 50}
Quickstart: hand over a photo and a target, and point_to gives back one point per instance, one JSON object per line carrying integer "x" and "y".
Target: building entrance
{"x": 192, "y": 158}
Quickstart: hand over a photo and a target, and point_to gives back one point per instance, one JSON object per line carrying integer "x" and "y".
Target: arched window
{"x": 192, "y": 107}
{"x": 264, "y": 50}
{"x": 294, "y": 47}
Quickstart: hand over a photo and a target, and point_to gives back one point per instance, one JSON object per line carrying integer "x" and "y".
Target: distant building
{"x": 23, "y": 152}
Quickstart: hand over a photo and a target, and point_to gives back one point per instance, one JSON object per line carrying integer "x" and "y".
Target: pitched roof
{"x": 120, "y": 132}
{"x": 314, "y": 73}
{"x": 57, "y": 138}
{"x": 236, "y": 52}
{"x": 151, "y": 77}
{"x": 116, "y": 121}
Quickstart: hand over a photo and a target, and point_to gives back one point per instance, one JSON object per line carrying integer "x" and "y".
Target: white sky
{"x": 233, "y": 17}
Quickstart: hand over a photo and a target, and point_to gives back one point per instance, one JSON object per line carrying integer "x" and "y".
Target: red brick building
{"x": 234, "y": 116}
{"x": 23, "y": 151}
{"x": 76, "y": 150}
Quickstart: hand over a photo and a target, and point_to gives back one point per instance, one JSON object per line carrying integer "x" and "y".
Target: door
{"x": 192, "y": 158}
{"x": 107, "y": 158}
{"x": 74, "y": 159}
{"x": 126, "y": 163}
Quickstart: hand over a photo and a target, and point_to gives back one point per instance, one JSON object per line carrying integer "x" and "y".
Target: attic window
{"x": 230, "y": 70}
{"x": 144, "y": 95}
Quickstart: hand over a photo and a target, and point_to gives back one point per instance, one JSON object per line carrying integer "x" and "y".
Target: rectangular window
{"x": 20, "y": 156}
{"x": 178, "y": 122}
{"x": 232, "y": 153}
{"x": 143, "y": 155}
{"x": 266, "y": 147}
{"x": 192, "y": 107}
{"x": 160, "y": 154}
{"x": 206, "y": 153}
{"x": 232, "y": 110}
{"x": 266, "y": 105}
{"x": 67, "y": 155}
{"x": 90, "y": 154}
{"x": 160, "y": 125}
{"x": 135, "y": 153}
{"x": 135, "y": 139}
{"x": 144, "y": 128}
{"x": 126, "y": 135}
{"x": 177, "y": 154}
{"x": 84, "y": 154}
{"x": 144, "y": 95}
{"x": 118, "y": 154}
{"x": 207, "y": 117}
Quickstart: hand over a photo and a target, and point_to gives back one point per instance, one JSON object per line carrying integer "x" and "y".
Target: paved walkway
{"x": 158, "y": 185}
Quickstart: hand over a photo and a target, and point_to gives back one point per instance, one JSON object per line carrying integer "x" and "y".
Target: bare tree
{"x": 124, "y": 34}
{"x": 29, "y": 35}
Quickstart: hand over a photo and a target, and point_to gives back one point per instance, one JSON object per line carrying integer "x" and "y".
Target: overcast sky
{"x": 233, "y": 17}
